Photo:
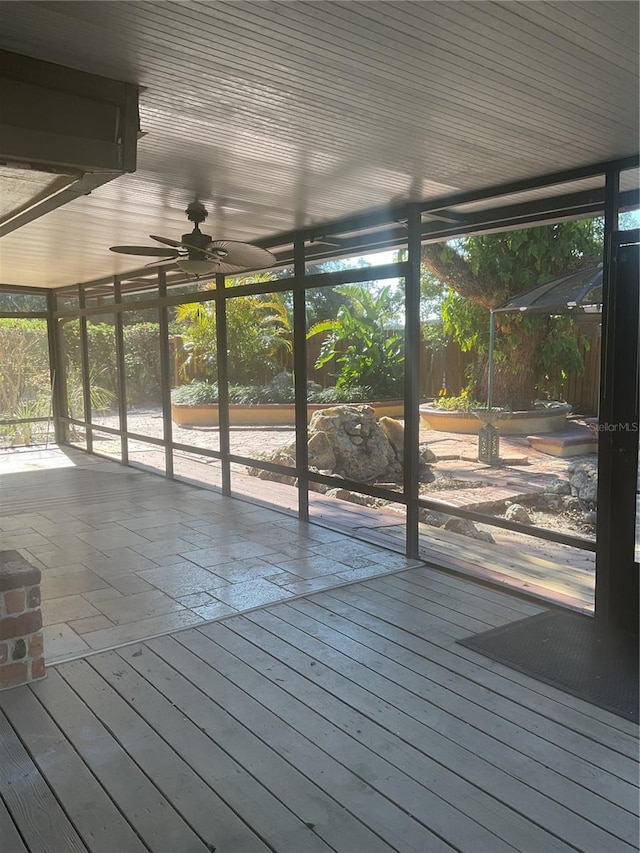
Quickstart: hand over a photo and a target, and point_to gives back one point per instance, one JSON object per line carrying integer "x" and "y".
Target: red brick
{"x": 37, "y": 668}
{"x": 4, "y": 652}
{"x": 36, "y": 646}
{"x": 20, "y": 626}
{"x": 14, "y": 601}
{"x": 13, "y": 673}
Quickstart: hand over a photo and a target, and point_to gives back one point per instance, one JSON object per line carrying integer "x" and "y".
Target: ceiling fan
{"x": 198, "y": 254}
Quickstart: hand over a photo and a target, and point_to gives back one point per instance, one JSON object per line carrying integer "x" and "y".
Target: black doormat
{"x": 570, "y": 652}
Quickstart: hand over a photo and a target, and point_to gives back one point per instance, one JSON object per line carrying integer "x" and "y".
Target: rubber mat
{"x": 570, "y": 652}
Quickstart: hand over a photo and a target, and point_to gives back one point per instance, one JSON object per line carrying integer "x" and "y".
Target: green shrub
{"x": 463, "y": 403}
{"x": 355, "y": 394}
{"x": 24, "y": 363}
{"x": 196, "y": 393}
{"x": 199, "y": 393}
{"x": 250, "y": 395}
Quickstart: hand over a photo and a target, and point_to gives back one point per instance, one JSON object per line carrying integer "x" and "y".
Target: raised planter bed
{"x": 536, "y": 421}
{"x": 267, "y": 414}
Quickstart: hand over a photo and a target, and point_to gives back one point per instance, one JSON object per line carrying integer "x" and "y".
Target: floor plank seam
{"x": 357, "y": 709}
{"x": 458, "y": 691}
{"x": 209, "y": 698}
{"x": 327, "y": 720}
{"x": 496, "y": 767}
{"x": 170, "y": 746}
{"x": 485, "y": 665}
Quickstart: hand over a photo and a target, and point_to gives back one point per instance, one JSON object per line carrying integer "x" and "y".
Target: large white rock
{"x": 362, "y": 450}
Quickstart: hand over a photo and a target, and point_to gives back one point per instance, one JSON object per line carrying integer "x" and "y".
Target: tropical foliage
{"x": 362, "y": 342}
{"x": 258, "y": 333}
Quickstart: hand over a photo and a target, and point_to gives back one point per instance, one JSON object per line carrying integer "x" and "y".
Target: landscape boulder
{"x": 348, "y": 441}
{"x": 583, "y": 480}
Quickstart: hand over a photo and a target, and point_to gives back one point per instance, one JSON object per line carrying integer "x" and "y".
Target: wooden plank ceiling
{"x": 278, "y": 115}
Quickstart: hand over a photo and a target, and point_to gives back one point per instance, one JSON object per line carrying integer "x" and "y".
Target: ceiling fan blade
{"x": 150, "y": 251}
{"x": 234, "y": 256}
{"x": 166, "y": 240}
{"x": 161, "y": 263}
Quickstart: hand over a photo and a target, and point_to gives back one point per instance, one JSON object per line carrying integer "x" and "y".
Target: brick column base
{"x": 21, "y": 642}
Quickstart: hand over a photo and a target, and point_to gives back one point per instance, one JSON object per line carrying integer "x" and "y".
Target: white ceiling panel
{"x": 283, "y": 114}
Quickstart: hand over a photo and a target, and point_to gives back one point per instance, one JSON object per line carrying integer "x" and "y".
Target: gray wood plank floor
{"x": 346, "y": 721}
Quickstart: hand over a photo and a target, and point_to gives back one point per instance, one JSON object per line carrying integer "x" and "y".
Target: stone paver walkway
{"x": 126, "y": 555}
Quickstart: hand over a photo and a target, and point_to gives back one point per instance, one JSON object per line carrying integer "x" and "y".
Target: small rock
{"x": 353, "y": 497}
{"x": 465, "y": 527}
{"x": 569, "y": 502}
{"x": 426, "y": 475}
{"x": 559, "y": 487}
{"x": 484, "y": 536}
{"x": 550, "y": 501}
{"x": 516, "y": 512}
{"x": 583, "y": 480}
{"x": 461, "y": 525}
{"x": 426, "y": 454}
{"x": 433, "y": 518}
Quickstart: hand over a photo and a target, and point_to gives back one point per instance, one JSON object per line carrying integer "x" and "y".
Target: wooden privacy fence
{"x": 583, "y": 391}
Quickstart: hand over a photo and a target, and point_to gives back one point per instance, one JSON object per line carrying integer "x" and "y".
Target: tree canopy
{"x": 476, "y": 274}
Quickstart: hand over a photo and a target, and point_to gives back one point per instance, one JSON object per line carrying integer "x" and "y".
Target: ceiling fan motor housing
{"x": 196, "y": 212}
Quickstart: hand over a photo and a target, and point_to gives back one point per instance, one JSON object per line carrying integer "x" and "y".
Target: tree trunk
{"x": 514, "y": 374}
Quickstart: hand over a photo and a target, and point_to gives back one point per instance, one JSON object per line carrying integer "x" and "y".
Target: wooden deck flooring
{"x": 347, "y": 721}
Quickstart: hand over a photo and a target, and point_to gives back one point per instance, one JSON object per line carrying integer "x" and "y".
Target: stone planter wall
{"x": 21, "y": 642}
{"x": 535, "y": 421}
{"x": 266, "y": 414}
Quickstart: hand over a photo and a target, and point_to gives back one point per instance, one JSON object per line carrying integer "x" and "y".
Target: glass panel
{"x": 22, "y": 302}
{"x": 258, "y": 277}
{"x": 194, "y": 375}
{"x": 142, "y": 373}
{"x": 356, "y": 362}
{"x": 25, "y": 384}
{"x": 103, "y": 370}
{"x": 69, "y": 338}
{"x": 532, "y": 457}
{"x": 196, "y": 468}
{"x": 98, "y": 302}
{"x": 107, "y": 444}
{"x": 629, "y": 181}
{"x": 260, "y": 353}
{"x": 68, "y": 302}
{"x": 145, "y": 455}
{"x": 262, "y": 411}
{"x": 359, "y": 261}
{"x": 77, "y": 437}
{"x": 361, "y": 518}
